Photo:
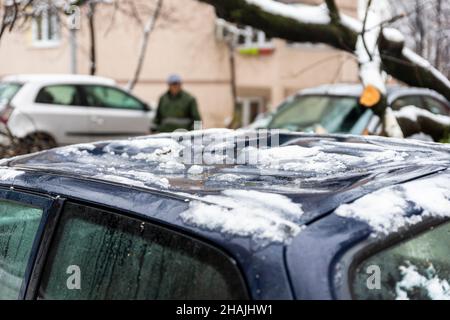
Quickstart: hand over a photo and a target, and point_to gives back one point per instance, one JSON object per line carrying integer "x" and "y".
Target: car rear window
{"x": 8, "y": 91}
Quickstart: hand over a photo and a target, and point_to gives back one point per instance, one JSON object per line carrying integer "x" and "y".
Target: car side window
{"x": 108, "y": 97}
{"x": 59, "y": 95}
{"x": 117, "y": 257}
{"x": 436, "y": 107}
{"x": 18, "y": 227}
{"x": 418, "y": 268}
{"x": 405, "y": 101}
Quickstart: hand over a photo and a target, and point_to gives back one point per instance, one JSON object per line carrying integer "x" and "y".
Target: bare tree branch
{"x": 148, "y": 29}
{"x": 364, "y": 30}
{"x": 333, "y": 9}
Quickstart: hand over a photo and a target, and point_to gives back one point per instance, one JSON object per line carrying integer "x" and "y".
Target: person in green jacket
{"x": 177, "y": 109}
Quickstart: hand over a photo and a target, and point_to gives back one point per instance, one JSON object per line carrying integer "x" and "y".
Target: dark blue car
{"x": 308, "y": 217}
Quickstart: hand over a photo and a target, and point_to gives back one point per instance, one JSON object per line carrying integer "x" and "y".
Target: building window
{"x": 247, "y": 40}
{"x": 46, "y": 28}
{"x": 252, "y": 38}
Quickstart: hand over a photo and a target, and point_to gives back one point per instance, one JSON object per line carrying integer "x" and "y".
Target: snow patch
{"x": 265, "y": 217}
{"x": 393, "y": 35}
{"x": 300, "y": 12}
{"x": 195, "y": 170}
{"x": 436, "y": 289}
{"x": 291, "y": 158}
{"x": 314, "y": 160}
{"x": 171, "y": 166}
{"x": 421, "y": 137}
{"x": 77, "y": 150}
{"x": 389, "y": 209}
{"x": 227, "y": 177}
{"x": 117, "y": 179}
{"x": 392, "y": 127}
{"x": 133, "y": 177}
{"x": 9, "y": 174}
{"x": 415, "y": 58}
{"x": 351, "y": 23}
{"x": 151, "y": 142}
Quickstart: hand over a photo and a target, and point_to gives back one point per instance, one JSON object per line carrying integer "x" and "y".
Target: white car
{"x": 67, "y": 109}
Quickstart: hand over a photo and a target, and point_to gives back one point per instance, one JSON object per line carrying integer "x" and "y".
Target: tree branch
{"x": 333, "y": 10}
{"x": 148, "y": 29}
{"x": 290, "y": 27}
{"x": 404, "y": 65}
{"x": 364, "y": 30}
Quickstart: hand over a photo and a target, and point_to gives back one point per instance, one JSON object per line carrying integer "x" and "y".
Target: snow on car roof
{"x": 58, "y": 78}
{"x": 221, "y": 159}
{"x": 260, "y": 216}
{"x": 227, "y": 158}
{"x": 281, "y": 184}
{"x": 353, "y": 90}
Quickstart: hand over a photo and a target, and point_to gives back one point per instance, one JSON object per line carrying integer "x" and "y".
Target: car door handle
{"x": 97, "y": 120}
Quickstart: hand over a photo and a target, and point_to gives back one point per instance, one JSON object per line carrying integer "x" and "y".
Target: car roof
{"x": 320, "y": 172}
{"x": 58, "y": 78}
{"x": 352, "y": 90}
{"x": 355, "y": 90}
{"x": 273, "y": 215}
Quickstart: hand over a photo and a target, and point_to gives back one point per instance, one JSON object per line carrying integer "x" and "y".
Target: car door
{"x": 22, "y": 220}
{"x": 97, "y": 254}
{"x": 60, "y": 113}
{"x": 114, "y": 113}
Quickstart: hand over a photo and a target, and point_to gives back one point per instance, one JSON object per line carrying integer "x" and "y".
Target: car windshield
{"x": 7, "y": 91}
{"x": 332, "y": 114}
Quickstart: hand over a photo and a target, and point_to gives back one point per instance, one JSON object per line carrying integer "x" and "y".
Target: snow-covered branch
{"x": 367, "y": 50}
{"x": 298, "y": 23}
{"x": 414, "y": 120}
{"x": 407, "y": 66}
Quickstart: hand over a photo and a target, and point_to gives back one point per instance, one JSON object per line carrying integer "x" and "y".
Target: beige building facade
{"x": 187, "y": 40}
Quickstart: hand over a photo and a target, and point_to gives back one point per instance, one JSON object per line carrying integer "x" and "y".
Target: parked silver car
{"x": 66, "y": 109}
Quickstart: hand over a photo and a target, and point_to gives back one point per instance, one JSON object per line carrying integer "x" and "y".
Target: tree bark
{"x": 233, "y": 85}
{"x": 93, "y": 44}
{"x": 148, "y": 29}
